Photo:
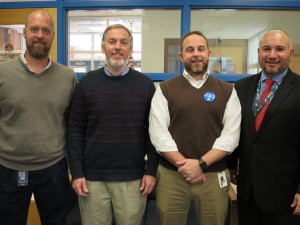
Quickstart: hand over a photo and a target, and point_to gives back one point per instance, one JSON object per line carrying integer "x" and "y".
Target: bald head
{"x": 278, "y": 33}
{"x": 29, "y": 16}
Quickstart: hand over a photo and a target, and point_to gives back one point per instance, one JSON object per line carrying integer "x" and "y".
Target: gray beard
{"x": 116, "y": 64}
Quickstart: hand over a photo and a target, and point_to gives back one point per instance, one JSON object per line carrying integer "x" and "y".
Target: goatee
{"x": 116, "y": 64}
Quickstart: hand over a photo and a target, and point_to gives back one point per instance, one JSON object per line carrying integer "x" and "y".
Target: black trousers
{"x": 51, "y": 188}
{"x": 250, "y": 214}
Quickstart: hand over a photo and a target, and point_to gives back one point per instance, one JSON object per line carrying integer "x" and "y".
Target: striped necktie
{"x": 262, "y": 112}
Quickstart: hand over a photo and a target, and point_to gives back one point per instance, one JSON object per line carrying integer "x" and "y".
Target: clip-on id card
{"x": 22, "y": 179}
{"x": 222, "y": 179}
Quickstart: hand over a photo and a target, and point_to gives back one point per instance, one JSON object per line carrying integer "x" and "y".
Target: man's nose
{"x": 39, "y": 34}
{"x": 272, "y": 53}
{"x": 118, "y": 45}
{"x": 196, "y": 52}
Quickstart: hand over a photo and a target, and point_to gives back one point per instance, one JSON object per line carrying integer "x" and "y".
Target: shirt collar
{"x": 108, "y": 73}
{"x": 193, "y": 82}
{"x": 277, "y": 78}
{"x": 22, "y": 56}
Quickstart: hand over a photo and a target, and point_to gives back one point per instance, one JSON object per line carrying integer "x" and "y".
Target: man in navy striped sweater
{"x": 108, "y": 137}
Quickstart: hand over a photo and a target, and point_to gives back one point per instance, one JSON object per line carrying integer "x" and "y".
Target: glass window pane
{"x": 81, "y": 56}
{"x": 80, "y": 42}
{"x": 149, "y": 29}
{"x": 97, "y": 42}
{"x": 12, "y": 43}
{"x": 158, "y": 25}
{"x": 234, "y": 35}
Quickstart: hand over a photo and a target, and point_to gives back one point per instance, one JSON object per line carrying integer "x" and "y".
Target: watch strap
{"x": 203, "y": 165}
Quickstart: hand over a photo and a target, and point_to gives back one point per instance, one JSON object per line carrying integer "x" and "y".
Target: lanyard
{"x": 258, "y": 106}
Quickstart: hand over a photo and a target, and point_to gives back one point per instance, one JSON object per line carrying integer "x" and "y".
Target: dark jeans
{"x": 51, "y": 190}
{"x": 250, "y": 214}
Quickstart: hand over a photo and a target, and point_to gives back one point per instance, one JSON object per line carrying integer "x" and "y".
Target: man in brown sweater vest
{"x": 194, "y": 123}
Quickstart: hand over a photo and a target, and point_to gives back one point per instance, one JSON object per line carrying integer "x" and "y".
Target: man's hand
{"x": 79, "y": 185}
{"x": 199, "y": 180}
{"x": 191, "y": 171}
{"x": 147, "y": 184}
{"x": 296, "y": 204}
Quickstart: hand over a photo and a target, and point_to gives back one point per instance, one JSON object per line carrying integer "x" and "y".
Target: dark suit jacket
{"x": 270, "y": 159}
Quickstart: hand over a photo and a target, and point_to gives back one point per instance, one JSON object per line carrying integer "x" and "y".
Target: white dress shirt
{"x": 159, "y": 121}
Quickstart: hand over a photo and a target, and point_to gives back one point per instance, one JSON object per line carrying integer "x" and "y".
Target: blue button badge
{"x": 209, "y": 96}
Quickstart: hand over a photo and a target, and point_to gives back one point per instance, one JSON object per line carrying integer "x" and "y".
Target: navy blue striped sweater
{"x": 108, "y": 127}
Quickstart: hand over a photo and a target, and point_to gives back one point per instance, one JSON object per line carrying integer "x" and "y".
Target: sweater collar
{"x": 22, "y": 56}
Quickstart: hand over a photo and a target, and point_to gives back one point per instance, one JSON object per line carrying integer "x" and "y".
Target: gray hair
{"x": 117, "y": 26}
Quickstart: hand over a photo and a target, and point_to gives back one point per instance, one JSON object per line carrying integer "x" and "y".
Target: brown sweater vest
{"x": 195, "y": 123}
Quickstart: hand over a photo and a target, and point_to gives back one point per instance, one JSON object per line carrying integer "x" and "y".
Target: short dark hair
{"x": 191, "y": 33}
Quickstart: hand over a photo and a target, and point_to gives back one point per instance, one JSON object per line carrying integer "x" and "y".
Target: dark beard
{"x": 200, "y": 71}
{"x": 38, "y": 54}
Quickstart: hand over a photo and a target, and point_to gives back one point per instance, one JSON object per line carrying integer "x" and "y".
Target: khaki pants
{"x": 174, "y": 196}
{"x": 124, "y": 198}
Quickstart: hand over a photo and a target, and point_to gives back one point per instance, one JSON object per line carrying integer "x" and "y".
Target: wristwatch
{"x": 203, "y": 165}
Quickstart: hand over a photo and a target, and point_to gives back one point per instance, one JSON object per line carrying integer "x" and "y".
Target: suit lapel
{"x": 282, "y": 92}
{"x": 249, "y": 102}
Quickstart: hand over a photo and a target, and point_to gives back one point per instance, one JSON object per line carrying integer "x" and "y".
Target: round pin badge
{"x": 209, "y": 96}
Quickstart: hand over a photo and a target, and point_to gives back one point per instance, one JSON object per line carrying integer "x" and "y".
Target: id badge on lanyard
{"x": 257, "y": 105}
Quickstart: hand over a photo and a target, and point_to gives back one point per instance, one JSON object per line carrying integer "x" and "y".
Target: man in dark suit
{"x": 269, "y": 148}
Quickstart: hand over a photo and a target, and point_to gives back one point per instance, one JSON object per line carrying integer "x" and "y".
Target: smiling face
{"x": 39, "y": 34}
{"x": 117, "y": 48}
{"x": 195, "y": 55}
{"x": 275, "y": 52}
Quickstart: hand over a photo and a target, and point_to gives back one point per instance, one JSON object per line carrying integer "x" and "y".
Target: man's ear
{"x": 180, "y": 55}
{"x": 24, "y": 32}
